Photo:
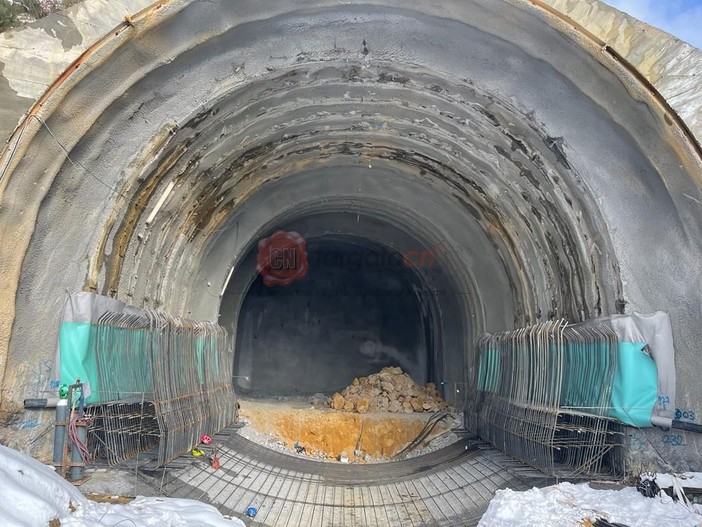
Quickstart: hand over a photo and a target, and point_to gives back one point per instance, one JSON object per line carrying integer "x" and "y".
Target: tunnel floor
{"x": 449, "y": 487}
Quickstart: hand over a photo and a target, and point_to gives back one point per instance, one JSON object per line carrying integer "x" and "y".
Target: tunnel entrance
{"x": 359, "y": 308}
{"x": 170, "y": 149}
{"x": 367, "y": 299}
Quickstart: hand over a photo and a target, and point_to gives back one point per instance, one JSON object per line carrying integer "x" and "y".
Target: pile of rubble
{"x": 391, "y": 390}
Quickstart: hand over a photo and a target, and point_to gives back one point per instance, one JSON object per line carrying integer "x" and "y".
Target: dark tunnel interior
{"x": 358, "y": 306}
{"x": 354, "y": 313}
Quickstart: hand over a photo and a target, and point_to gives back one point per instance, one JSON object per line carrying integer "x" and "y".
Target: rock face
{"x": 390, "y": 390}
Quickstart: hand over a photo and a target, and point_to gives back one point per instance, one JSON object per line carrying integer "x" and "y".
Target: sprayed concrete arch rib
{"x": 550, "y": 171}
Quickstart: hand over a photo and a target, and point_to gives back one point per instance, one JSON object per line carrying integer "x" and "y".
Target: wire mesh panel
{"x": 121, "y": 430}
{"x": 167, "y": 382}
{"x": 542, "y": 395}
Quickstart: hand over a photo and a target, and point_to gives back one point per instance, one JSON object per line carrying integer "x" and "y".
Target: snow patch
{"x": 692, "y": 480}
{"x": 568, "y": 505}
{"x": 150, "y": 512}
{"x": 32, "y": 494}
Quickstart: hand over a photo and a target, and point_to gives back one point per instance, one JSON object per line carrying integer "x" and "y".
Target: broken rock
{"x": 362, "y": 405}
{"x": 338, "y": 401}
{"x": 390, "y": 390}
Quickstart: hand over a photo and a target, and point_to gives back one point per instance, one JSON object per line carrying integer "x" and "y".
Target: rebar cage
{"x": 542, "y": 395}
{"x": 163, "y": 381}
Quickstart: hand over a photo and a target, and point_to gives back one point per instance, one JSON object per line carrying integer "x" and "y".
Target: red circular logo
{"x": 282, "y": 258}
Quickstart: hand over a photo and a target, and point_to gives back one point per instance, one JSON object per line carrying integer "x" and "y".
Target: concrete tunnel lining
{"x": 508, "y": 155}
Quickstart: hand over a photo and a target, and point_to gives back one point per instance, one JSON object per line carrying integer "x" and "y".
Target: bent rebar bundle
{"x": 542, "y": 395}
{"x": 166, "y": 381}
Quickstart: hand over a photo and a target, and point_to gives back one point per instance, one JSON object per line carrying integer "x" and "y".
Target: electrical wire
{"x": 14, "y": 149}
{"x": 73, "y": 434}
{"x": 73, "y": 426}
{"x": 428, "y": 428}
{"x": 65, "y": 150}
{"x": 75, "y": 165}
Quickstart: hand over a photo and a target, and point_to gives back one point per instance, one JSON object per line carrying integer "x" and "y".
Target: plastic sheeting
{"x": 74, "y": 356}
{"x": 656, "y": 332}
{"x": 635, "y": 387}
{"x": 643, "y": 388}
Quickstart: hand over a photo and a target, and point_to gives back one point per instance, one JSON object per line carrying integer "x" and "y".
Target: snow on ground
{"x": 567, "y": 505}
{"x": 33, "y": 494}
{"x": 691, "y": 480}
{"x": 152, "y": 512}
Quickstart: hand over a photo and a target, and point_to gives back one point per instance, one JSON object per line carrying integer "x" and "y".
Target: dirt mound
{"x": 391, "y": 390}
{"x": 328, "y": 435}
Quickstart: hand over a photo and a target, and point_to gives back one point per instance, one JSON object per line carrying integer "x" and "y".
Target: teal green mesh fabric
{"x": 78, "y": 358}
{"x": 635, "y": 385}
{"x": 585, "y": 374}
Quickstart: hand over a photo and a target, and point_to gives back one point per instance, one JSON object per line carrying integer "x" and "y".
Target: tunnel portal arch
{"x": 549, "y": 166}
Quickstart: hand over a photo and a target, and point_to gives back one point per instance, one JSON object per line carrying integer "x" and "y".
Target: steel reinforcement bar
{"x": 542, "y": 395}
{"x": 165, "y": 380}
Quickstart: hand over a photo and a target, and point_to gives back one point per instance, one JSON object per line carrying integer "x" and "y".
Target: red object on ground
{"x": 214, "y": 460}
{"x": 206, "y": 439}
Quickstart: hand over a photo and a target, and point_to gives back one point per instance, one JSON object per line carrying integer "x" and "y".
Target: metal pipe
{"x": 60, "y": 430}
{"x": 38, "y": 404}
{"x": 687, "y": 426}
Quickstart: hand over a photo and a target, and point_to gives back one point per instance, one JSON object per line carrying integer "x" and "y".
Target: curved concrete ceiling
{"x": 561, "y": 182}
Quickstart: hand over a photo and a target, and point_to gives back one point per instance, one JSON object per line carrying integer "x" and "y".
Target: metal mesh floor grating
{"x": 449, "y": 487}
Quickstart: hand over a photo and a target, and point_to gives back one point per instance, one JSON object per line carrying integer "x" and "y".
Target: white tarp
{"x": 656, "y": 331}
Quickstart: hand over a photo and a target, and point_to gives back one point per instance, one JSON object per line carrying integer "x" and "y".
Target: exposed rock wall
{"x": 32, "y": 57}
{"x": 674, "y": 67}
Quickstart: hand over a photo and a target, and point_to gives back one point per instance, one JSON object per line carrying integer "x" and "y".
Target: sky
{"x": 682, "y": 18}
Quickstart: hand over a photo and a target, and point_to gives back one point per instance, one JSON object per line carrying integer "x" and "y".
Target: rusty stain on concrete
{"x": 535, "y": 185}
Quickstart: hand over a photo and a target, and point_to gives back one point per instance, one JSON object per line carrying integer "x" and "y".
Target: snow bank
{"x": 150, "y": 512}
{"x": 32, "y": 494}
{"x": 567, "y": 505}
{"x": 692, "y": 480}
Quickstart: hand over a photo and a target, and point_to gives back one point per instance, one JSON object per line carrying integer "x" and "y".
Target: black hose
{"x": 429, "y": 426}
{"x": 38, "y": 404}
{"x": 687, "y": 426}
